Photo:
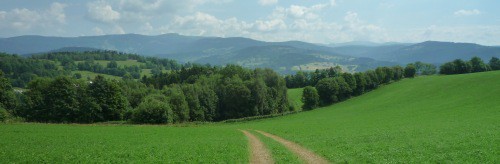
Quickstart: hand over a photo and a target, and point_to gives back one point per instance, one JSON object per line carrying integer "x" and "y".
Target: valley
{"x": 425, "y": 119}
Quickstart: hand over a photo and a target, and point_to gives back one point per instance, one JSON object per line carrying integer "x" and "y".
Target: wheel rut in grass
{"x": 259, "y": 153}
{"x": 305, "y": 154}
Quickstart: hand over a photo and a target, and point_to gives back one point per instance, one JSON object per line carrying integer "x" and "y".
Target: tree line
{"x": 342, "y": 86}
{"x": 302, "y": 79}
{"x": 325, "y": 87}
{"x": 475, "y": 64}
{"x": 222, "y": 93}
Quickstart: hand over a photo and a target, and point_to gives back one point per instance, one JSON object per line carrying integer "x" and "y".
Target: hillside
{"x": 212, "y": 50}
{"x": 352, "y": 56}
{"x": 289, "y": 59}
{"x": 429, "y": 52}
{"x": 430, "y": 119}
{"x": 427, "y": 119}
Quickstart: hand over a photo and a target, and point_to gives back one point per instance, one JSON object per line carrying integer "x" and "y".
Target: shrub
{"x": 4, "y": 115}
{"x": 153, "y": 110}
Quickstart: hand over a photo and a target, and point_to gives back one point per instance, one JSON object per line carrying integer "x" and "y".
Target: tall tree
{"x": 61, "y": 100}
{"x": 191, "y": 92}
{"x": 410, "y": 71}
{"x": 398, "y": 73}
{"x": 235, "y": 99}
{"x": 178, "y": 103}
{"x": 478, "y": 65}
{"x": 494, "y": 63}
{"x": 310, "y": 98}
{"x": 350, "y": 80}
{"x": 361, "y": 83}
{"x": 7, "y": 96}
{"x": 110, "y": 98}
{"x": 328, "y": 90}
{"x": 462, "y": 66}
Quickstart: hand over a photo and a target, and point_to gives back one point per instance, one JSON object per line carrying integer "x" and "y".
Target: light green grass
{"x": 434, "y": 119}
{"x": 45, "y": 143}
{"x": 431, "y": 119}
{"x": 145, "y": 72}
{"x": 295, "y": 97}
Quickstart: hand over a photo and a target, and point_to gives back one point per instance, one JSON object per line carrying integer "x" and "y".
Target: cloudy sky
{"x": 317, "y": 21}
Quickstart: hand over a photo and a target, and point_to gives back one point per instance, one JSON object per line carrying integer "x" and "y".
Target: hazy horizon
{"x": 326, "y": 21}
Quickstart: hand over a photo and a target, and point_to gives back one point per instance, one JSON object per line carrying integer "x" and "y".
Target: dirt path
{"x": 259, "y": 152}
{"x": 306, "y": 155}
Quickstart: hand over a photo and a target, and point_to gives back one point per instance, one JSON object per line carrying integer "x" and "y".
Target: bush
{"x": 4, "y": 115}
{"x": 153, "y": 111}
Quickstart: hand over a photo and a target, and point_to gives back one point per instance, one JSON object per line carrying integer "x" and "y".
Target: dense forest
{"x": 182, "y": 93}
{"x": 22, "y": 70}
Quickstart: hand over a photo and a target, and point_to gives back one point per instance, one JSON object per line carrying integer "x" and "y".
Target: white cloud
{"x": 270, "y": 25}
{"x": 333, "y": 3}
{"x": 22, "y": 19}
{"x": 267, "y": 2}
{"x": 117, "y": 30}
{"x": 467, "y": 12}
{"x": 57, "y": 11}
{"x": 206, "y": 24}
{"x": 102, "y": 12}
{"x": 298, "y": 12}
{"x": 147, "y": 28}
{"x": 475, "y": 34}
{"x": 98, "y": 31}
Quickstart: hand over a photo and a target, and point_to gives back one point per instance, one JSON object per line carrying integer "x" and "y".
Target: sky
{"x": 315, "y": 21}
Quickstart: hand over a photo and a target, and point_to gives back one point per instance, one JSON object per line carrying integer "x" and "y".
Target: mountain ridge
{"x": 203, "y": 50}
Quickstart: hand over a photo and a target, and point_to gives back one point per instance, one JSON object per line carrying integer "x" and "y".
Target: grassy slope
{"x": 433, "y": 119}
{"x": 427, "y": 119}
{"x": 295, "y": 97}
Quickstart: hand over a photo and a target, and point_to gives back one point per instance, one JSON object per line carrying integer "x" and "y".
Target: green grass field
{"x": 433, "y": 119}
{"x": 46, "y": 143}
{"x": 295, "y": 97}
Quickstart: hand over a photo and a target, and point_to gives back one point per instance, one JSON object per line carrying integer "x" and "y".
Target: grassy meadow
{"x": 52, "y": 143}
{"x": 433, "y": 119}
{"x": 295, "y": 97}
{"x": 430, "y": 119}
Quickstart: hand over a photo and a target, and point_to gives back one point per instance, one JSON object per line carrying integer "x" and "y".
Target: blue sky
{"x": 317, "y": 21}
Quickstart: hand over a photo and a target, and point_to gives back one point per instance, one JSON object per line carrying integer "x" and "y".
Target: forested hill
{"x": 353, "y": 57}
{"x": 429, "y": 52}
{"x": 72, "y": 87}
{"x": 200, "y": 50}
{"x": 111, "y": 64}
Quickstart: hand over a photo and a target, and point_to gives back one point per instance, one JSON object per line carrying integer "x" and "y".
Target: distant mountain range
{"x": 285, "y": 57}
{"x": 429, "y": 51}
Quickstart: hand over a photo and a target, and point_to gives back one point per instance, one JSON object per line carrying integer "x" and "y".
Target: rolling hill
{"x": 429, "y": 52}
{"x": 212, "y": 50}
{"x": 429, "y": 119}
{"x": 285, "y": 57}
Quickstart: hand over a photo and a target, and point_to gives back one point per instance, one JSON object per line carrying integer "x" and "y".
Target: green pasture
{"x": 432, "y": 119}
